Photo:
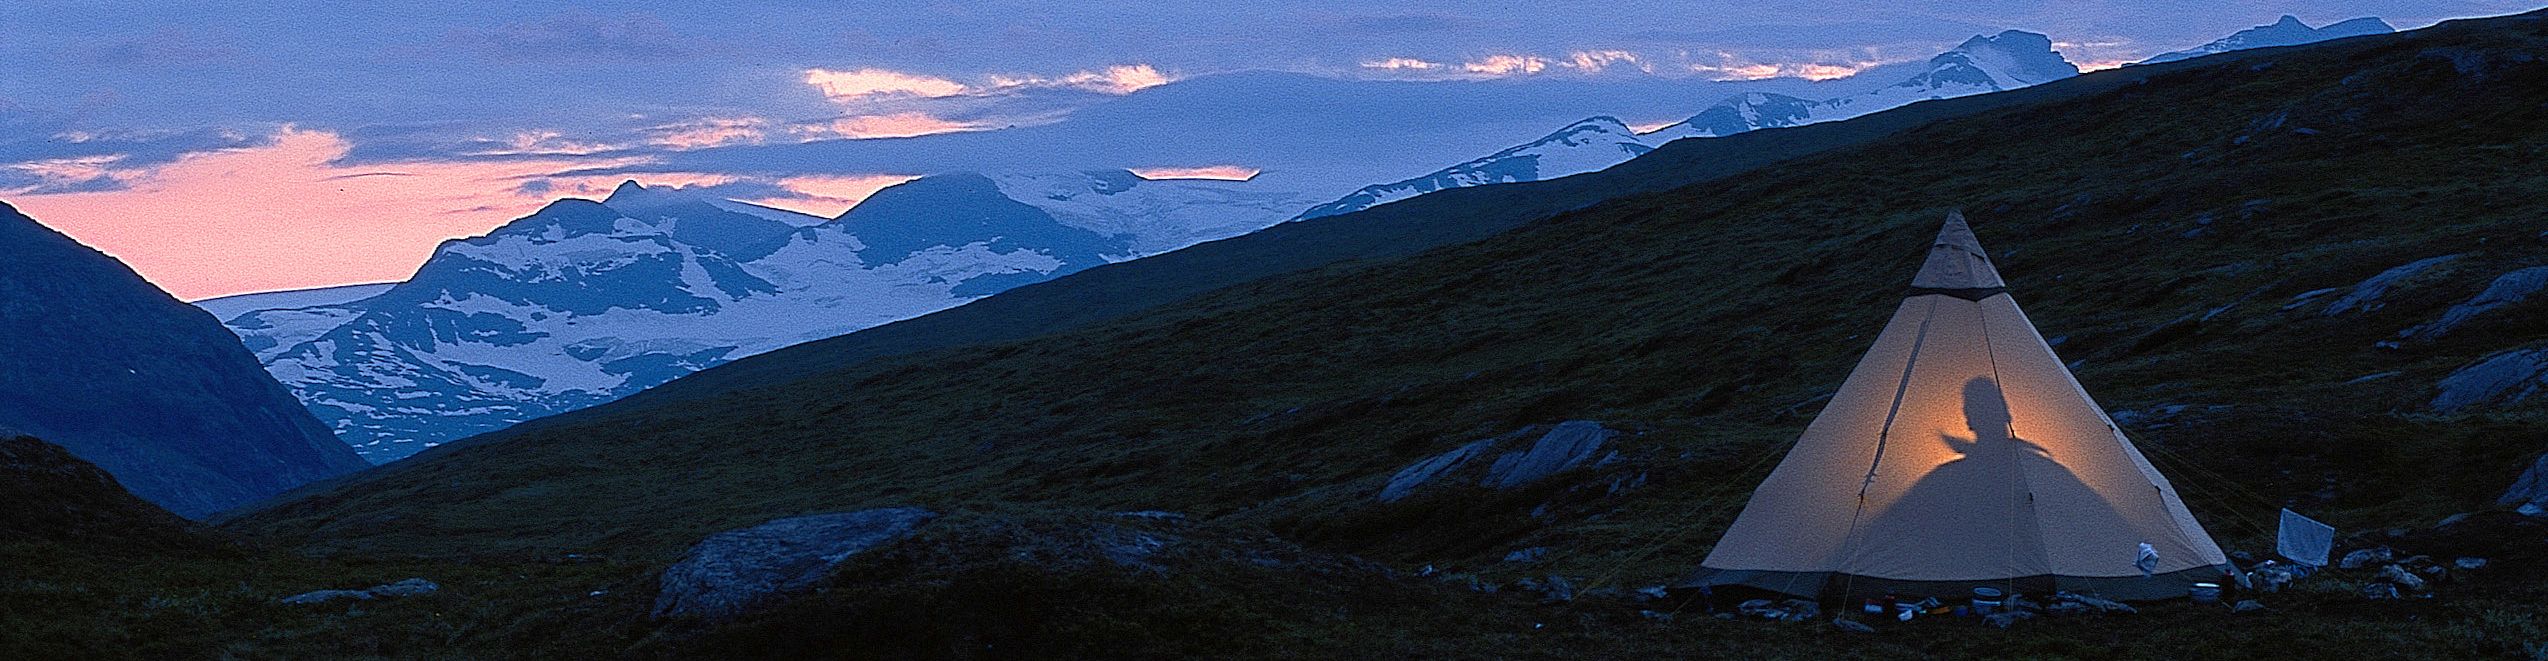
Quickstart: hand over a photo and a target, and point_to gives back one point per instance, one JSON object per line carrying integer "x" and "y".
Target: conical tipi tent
{"x": 1960, "y": 454}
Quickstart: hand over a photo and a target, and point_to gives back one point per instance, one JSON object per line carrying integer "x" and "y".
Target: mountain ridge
{"x": 153, "y": 390}
{"x": 583, "y": 302}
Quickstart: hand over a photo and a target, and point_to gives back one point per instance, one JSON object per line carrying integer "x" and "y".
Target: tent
{"x": 1960, "y": 453}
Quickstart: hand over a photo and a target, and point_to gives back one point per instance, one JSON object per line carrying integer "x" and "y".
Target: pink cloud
{"x": 896, "y": 125}
{"x": 1506, "y": 65}
{"x": 1223, "y": 172}
{"x": 868, "y": 84}
{"x": 281, "y": 217}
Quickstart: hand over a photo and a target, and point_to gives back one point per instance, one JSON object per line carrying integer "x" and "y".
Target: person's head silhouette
{"x": 1985, "y": 411}
{"x": 1986, "y": 414}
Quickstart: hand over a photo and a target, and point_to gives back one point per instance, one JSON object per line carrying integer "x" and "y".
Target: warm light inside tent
{"x": 1959, "y": 450}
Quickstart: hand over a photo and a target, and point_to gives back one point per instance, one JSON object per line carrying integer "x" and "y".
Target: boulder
{"x": 2406, "y": 581}
{"x": 2469, "y": 564}
{"x": 733, "y": 571}
{"x": 2529, "y": 489}
{"x": 2503, "y": 378}
{"x": 2507, "y": 289}
{"x": 2365, "y": 296}
{"x": 1569, "y": 444}
{"x": 2247, "y": 606}
{"x": 2366, "y": 557}
{"x": 2379, "y": 591}
{"x": 413, "y": 587}
{"x": 1405, "y": 481}
{"x": 325, "y": 596}
{"x": 1528, "y": 555}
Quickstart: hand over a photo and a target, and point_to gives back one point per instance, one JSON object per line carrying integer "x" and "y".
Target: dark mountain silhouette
{"x": 153, "y": 390}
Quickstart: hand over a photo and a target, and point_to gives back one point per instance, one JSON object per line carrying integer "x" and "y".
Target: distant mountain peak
{"x": 2287, "y": 31}
{"x": 1589, "y": 144}
{"x": 632, "y": 196}
{"x": 2008, "y": 60}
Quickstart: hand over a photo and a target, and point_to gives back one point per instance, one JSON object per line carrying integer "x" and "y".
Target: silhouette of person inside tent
{"x": 1975, "y": 516}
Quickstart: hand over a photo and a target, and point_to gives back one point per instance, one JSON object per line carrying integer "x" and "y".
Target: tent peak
{"x": 1956, "y": 261}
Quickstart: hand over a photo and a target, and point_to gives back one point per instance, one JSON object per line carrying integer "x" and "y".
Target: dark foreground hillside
{"x": 2228, "y": 248}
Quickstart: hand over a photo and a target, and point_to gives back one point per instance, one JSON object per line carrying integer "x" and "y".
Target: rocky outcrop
{"x": 2504, "y": 378}
{"x": 151, "y": 389}
{"x": 2507, "y": 289}
{"x": 2529, "y": 492}
{"x": 733, "y": 571}
{"x": 1405, "y": 481}
{"x": 1567, "y": 445}
{"x": 1570, "y": 444}
{"x": 2366, "y": 295}
{"x": 413, "y": 587}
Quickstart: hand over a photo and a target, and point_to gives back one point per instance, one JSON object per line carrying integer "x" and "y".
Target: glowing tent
{"x": 1960, "y": 453}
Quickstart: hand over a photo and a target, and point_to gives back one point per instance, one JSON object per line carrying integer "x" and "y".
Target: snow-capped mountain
{"x": 1983, "y": 64}
{"x": 231, "y": 306}
{"x": 585, "y": 302}
{"x": 1584, "y": 146}
{"x": 2008, "y": 60}
{"x": 2286, "y": 32}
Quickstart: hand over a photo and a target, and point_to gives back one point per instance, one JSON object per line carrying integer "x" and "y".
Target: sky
{"x": 223, "y": 147}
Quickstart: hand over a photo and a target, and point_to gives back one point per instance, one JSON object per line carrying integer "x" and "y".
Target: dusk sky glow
{"x": 222, "y": 149}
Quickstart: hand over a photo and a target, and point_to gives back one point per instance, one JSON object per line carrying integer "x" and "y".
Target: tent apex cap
{"x": 1956, "y": 260}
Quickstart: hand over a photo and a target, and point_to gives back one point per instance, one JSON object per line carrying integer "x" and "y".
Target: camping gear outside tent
{"x": 1960, "y": 453}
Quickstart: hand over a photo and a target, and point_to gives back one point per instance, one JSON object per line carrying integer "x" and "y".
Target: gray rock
{"x": 413, "y": 587}
{"x": 1852, "y": 626}
{"x": 1799, "y": 610}
{"x": 1154, "y": 515}
{"x": 2379, "y": 591}
{"x": 2365, "y": 558}
{"x": 1556, "y": 590}
{"x": 1528, "y": 555}
{"x": 1568, "y": 445}
{"x": 2273, "y": 577}
{"x": 1406, "y": 480}
{"x": 1128, "y": 548}
{"x": 2246, "y": 606}
{"x": 1653, "y": 593}
{"x": 2503, "y": 378}
{"x": 2406, "y": 581}
{"x": 733, "y": 571}
{"x": 1657, "y": 616}
{"x": 2469, "y": 564}
{"x": 325, "y": 596}
{"x": 2507, "y": 289}
{"x": 2531, "y": 487}
{"x": 2365, "y": 296}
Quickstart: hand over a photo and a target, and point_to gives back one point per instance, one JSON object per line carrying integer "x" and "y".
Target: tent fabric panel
{"x": 1799, "y": 518}
{"x": 2094, "y": 502}
{"x": 1948, "y": 501}
{"x": 1956, "y": 260}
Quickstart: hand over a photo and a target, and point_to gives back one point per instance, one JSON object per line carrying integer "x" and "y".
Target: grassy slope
{"x": 1709, "y": 318}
